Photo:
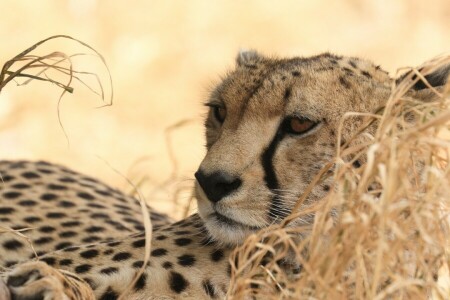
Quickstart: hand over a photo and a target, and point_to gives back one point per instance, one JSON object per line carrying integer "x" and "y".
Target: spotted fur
{"x": 272, "y": 125}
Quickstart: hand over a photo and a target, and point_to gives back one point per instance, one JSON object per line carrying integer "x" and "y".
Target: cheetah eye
{"x": 219, "y": 113}
{"x": 296, "y": 125}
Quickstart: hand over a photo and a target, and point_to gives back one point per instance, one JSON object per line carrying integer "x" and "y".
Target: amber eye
{"x": 220, "y": 113}
{"x": 297, "y": 125}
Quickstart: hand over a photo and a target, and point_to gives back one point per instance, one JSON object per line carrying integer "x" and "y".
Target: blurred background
{"x": 164, "y": 57}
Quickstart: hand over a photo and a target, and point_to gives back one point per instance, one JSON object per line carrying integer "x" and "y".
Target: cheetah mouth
{"x": 230, "y": 222}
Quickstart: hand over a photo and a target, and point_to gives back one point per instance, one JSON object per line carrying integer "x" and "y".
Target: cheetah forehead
{"x": 342, "y": 83}
{"x": 314, "y": 64}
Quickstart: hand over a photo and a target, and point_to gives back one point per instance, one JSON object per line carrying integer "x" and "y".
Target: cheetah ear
{"x": 438, "y": 79}
{"x": 248, "y": 58}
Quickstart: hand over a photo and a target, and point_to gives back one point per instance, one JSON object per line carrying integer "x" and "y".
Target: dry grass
{"x": 383, "y": 230}
{"x": 29, "y": 66}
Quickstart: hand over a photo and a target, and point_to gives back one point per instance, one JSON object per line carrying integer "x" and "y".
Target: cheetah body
{"x": 272, "y": 125}
{"x": 78, "y": 224}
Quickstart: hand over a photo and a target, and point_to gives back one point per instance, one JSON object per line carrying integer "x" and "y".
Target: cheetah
{"x": 271, "y": 126}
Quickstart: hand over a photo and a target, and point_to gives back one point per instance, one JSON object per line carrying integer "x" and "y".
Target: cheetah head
{"x": 272, "y": 125}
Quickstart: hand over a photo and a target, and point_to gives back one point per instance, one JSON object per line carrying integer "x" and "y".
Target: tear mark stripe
{"x": 276, "y": 210}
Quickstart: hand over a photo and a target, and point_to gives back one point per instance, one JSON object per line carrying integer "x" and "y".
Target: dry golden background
{"x": 164, "y": 56}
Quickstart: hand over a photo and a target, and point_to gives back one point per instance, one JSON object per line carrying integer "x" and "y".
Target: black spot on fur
{"x": 99, "y": 216}
{"x": 47, "y": 229}
{"x": 186, "y": 260}
{"x": 141, "y": 282}
{"x": 11, "y": 195}
{"x": 6, "y": 178}
{"x": 56, "y": 187}
{"x": 48, "y": 197}
{"x": 43, "y": 240}
{"x": 63, "y": 245}
{"x": 65, "y": 262}
{"x": 209, "y": 289}
{"x": 114, "y": 244}
{"x": 161, "y": 237}
{"x": 68, "y": 234}
{"x": 30, "y": 175}
{"x": 207, "y": 241}
{"x": 32, "y": 219}
{"x": 139, "y": 243}
{"x": 39, "y": 254}
{"x": 19, "y": 227}
{"x": 91, "y": 283}
{"x": 65, "y": 204}
{"x": 217, "y": 255}
{"x": 56, "y": 215}
{"x": 89, "y": 253}
{"x": 159, "y": 252}
{"x": 45, "y": 171}
{"x": 295, "y": 73}
{"x": 122, "y": 206}
{"x": 103, "y": 193}
{"x": 70, "y": 223}
{"x": 287, "y": 94}
{"x": 182, "y": 241}
{"x": 83, "y": 268}
{"x": 139, "y": 227}
{"x": 91, "y": 239}
{"x": 6, "y": 210}
{"x": 348, "y": 71}
{"x": 167, "y": 265}
{"x": 85, "y": 196}
{"x": 138, "y": 264}
{"x": 121, "y": 256}
{"x": 117, "y": 225}
{"x": 109, "y": 295}
{"x": 27, "y": 203}
{"x": 51, "y": 261}
{"x": 344, "y": 82}
{"x": 10, "y": 263}
{"x": 95, "y": 205}
{"x": 19, "y": 280}
{"x": 71, "y": 249}
{"x": 366, "y": 74}
{"x": 182, "y": 232}
{"x": 20, "y": 186}
{"x": 93, "y": 229}
{"x": 177, "y": 282}
{"x": 109, "y": 270}
{"x": 12, "y": 245}
{"x": 67, "y": 179}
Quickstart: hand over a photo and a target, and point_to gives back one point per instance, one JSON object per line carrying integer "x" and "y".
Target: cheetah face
{"x": 272, "y": 125}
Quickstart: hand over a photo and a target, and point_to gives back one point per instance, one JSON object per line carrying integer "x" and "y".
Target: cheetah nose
{"x": 217, "y": 185}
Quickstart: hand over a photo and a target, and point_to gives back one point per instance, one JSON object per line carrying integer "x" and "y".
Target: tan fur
{"x": 190, "y": 258}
